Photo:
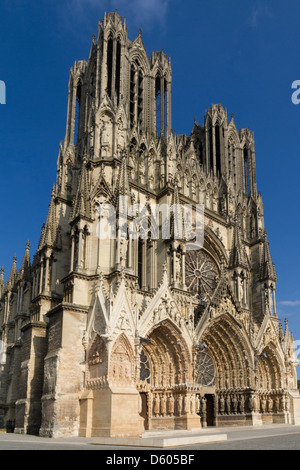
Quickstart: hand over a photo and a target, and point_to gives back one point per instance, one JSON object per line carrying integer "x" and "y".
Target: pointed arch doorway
{"x": 168, "y": 400}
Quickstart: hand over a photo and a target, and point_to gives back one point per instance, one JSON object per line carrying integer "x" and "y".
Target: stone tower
{"x": 143, "y": 328}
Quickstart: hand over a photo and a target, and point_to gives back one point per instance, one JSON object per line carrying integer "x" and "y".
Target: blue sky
{"x": 244, "y": 54}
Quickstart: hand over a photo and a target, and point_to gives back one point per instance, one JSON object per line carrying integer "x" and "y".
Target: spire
{"x": 267, "y": 268}
{"x": 238, "y": 256}
{"x": 13, "y": 274}
{"x": 25, "y": 270}
{"x": 48, "y": 232}
{"x": 82, "y": 203}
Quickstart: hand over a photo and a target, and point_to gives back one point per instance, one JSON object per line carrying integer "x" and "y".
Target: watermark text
{"x": 2, "y": 92}
{"x": 152, "y": 221}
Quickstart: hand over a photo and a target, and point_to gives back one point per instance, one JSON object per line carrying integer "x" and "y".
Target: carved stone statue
{"x": 170, "y": 404}
{"x": 221, "y": 405}
{"x": 156, "y": 405}
{"x": 163, "y": 408}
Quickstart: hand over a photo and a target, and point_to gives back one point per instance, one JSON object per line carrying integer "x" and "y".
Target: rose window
{"x": 144, "y": 368}
{"x": 201, "y": 274}
{"x": 204, "y": 370}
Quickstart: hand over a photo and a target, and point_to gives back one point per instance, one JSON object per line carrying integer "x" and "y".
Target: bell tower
{"x": 119, "y": 80}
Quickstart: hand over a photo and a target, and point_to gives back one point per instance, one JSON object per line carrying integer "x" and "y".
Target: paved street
{"x": 270, "y": 437}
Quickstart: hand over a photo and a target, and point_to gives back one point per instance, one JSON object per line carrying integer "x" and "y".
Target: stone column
{"x": 41, "y": 275}
{"x": 174, "y": 265}
{"x": 183, "y": 269}
{"x": 72, "y": 252}
{"x": 144, "y": 266}
{"x": 47, "y": 274}
{"x": 213, "y": 143}
{"x": 274, "y": 301}
{"x": 130, "y": 252}
{"x": 79, "y": 263}
{"x": 169, "y": 116}
{"x": 207, "y": 144}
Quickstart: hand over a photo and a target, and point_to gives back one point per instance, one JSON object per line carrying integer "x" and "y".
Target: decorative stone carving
{"x": 270, "y": 404}
{"x": 201, "y": 274}
{"x": 241, "y": 404}
{"x": 170, "y": 404}
{"x": 204, "y": 369}
{"x": 163, "y": 404}
{"x": 156, "y": 405}
{"x": 122, "y": 362}
{"x": 97, "y": 359}
{"x": 179, "y": 405}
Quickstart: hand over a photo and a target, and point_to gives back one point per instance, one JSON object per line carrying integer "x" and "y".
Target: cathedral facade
{"x": 125, "y": 320}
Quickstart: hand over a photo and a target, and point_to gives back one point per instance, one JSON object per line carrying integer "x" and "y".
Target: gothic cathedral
{"x": 141, "y": 329}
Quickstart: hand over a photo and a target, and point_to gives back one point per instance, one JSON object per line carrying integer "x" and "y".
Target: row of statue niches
{"x": 169, "y": 404}
{"x": 257, "y": 403}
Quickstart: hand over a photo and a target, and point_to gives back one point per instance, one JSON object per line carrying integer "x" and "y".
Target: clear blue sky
{"x": 244, "y": 54}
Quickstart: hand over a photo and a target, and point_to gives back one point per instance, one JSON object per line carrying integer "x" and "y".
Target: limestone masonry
{"x": 112, "y": 336}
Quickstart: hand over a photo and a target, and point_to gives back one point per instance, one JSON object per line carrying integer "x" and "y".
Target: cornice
{"x": 34, "y": 324}
{"x": 64, "y": 306}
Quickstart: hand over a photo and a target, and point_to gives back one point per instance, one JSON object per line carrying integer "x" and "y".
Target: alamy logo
{"x": 2, "y": 92}
{"x": 295, "y": 95}
{"x": 297, "y": 350}
{"x": 156, "y": 221}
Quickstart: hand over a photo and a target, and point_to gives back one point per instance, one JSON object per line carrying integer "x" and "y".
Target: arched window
{"x": 199, "y": 149}
{"x": 165, "y": 107}
{"x": 132, "y": 95}
{"x": 118, "y": 70}
{"x": 246, "y": 172}
{"x": 211, "y": 153}
{"x": 158, "y": 104}
{"x": 77, "y": 113}
{"x": 140, "y": 262}
{"x": 161, "y": 104}
{"x": 136, "y": 94}
{"x": 109, "y": 65}
{"x": 140, "y": 98}
{"x": 218, "y": 150}
{"x": 234, "y": 165}
{"x": 230, "y": 163}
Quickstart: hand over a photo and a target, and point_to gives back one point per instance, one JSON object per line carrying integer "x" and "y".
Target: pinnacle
{"x": 24, "y": 272}
{"x": 49, "y": 228}
{"x": 13, "y": 273}
{"x": 267, "y": 270}
{"x": 122, "y": 187}
{"x": 238, "y": 255}
{"x": 82, "y": 206}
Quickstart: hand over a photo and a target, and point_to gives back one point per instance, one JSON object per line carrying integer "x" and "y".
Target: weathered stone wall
{"x": 28, "y": 404}
{"x": 64, "y": 372}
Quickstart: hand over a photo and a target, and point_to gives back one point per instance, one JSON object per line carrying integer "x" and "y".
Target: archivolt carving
{"x": 269, "y": 370}
{"x": 168, "y": 356}
{"x": 230, "y": 351}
